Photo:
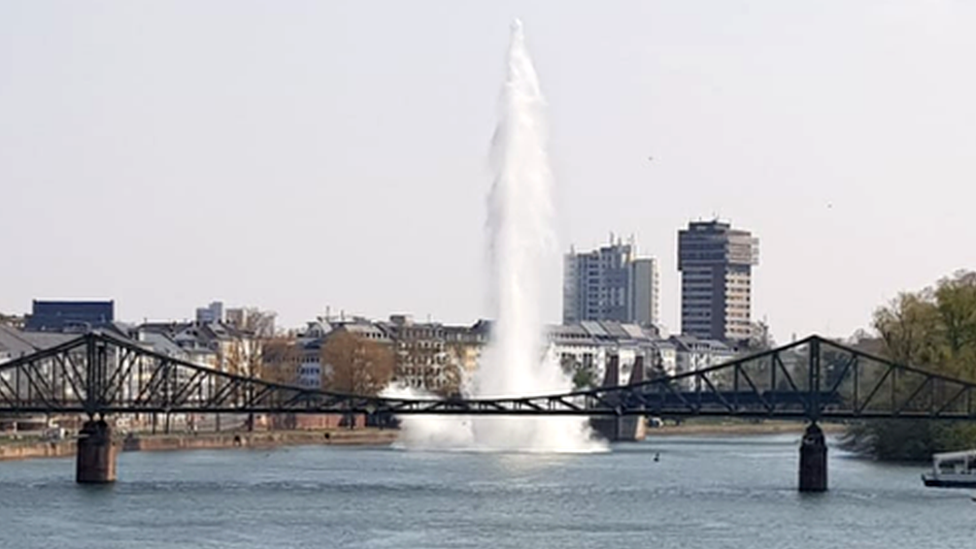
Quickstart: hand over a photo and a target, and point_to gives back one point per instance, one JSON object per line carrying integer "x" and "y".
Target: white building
{"x": 693, "y": 354}
{"x": 309, "y": 372}
{"x": 589, "y": 345}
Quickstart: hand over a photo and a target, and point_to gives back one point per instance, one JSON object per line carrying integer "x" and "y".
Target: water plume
{"x": 521, "y": 239}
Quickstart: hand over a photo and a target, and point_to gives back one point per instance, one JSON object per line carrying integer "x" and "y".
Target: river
{"x": 705, "y": 492}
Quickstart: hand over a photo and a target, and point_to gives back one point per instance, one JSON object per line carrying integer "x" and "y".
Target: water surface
{"x": 705, "y": 492}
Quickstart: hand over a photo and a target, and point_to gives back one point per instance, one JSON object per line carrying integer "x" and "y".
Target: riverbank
{"x": 739, "y": 428}
{"x": 30, "y": 448}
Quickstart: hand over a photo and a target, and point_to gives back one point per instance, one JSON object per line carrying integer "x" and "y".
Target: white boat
{"x": 952, "y": 470}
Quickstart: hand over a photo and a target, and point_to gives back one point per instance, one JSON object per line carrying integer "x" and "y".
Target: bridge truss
{"x": 100, "y": 374}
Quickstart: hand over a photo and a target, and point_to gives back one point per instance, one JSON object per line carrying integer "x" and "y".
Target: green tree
{"x": 933, "y": 329}
{"x": 584, "y": 377}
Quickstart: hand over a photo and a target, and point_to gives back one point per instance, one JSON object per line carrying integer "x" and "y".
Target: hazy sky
{"x": 294, "y": 155}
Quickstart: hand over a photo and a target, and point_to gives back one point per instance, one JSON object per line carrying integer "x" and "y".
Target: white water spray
{"x": 520, "y": 225}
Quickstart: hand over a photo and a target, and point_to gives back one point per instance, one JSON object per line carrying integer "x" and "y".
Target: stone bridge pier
{"x": 96, "y": 454}
{"x": 621, "y": 428}
{"x": 813, "y": 460}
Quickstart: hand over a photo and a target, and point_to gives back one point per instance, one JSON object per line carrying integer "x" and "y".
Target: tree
{"x": 582, "y": 373}
{"x": 934, "y": 329}
{"x": 584, "y": 378}
{"x": 242, "y": 356}
{"x": 462, "y": 360}
{"x": 443, "y": 379}
{"x": 759, "y": 338}
{"x": 273, "y": 359}
{"x": 253, "y": 321}
{"x": 280, "y": 357}
{"x": 356, "y": 365}
{"x": 248, "y": 331}
{"x": 908, "y": 325}
{"x": 955, "y": 302}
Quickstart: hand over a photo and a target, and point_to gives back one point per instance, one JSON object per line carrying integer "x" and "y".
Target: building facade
{"x": 211, "y": 313}
{"x": 693, "y": 354}
{"x": 464, "y": 345}
{"x": 646, "y": 291}
{"x": 586, "y": 347}
{"x": 428, "y": 355}
{"x": 716, "y": 263}
{"x": 67, "y": 316}
{"x": 421, "y": 355}
{"x": 610, "y": 283}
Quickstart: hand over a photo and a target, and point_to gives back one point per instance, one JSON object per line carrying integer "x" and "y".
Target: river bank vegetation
{"x": 933, "y": 329}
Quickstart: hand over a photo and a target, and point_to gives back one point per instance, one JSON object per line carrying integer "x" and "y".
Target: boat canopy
{"x": 965, "y": 455}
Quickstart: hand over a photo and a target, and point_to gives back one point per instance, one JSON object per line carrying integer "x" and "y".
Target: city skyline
{"x": 302, "y": 162}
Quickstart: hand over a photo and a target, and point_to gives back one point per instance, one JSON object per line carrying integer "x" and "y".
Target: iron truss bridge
{"x": 99, "y": 374}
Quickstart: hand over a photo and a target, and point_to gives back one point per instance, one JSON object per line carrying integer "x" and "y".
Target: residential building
{"x": 463, "y": 345}
{"x": 588, "y": 345}
{"x": 610, "y": 283}
{"x": 716, "y": 263}
{"x": 309, "y": 372}
{"x": 213, "y": 345}
{"x": 421, "y": 355}
{"x": 665, "y": 357}
{"x": 693, "y": 354}
{"x": 429, "y": 356}
{"x": 12, "y": 321}
{"x": 15, "y": 343}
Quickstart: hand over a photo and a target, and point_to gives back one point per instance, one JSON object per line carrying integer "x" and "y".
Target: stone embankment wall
{"x": 771, "y": 427}
{"x": 200, "y": 441}
{"x": 257, "y": 439}
{"x": 36, "y": 449}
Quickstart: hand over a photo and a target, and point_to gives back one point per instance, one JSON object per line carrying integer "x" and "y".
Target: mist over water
{"x": 521, "y": 239}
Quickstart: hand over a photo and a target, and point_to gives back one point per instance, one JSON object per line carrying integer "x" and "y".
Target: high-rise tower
{"x": 716, "y": 263}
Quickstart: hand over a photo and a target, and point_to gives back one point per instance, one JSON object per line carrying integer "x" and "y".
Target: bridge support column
{"x": 813, "y": 460}
{"x": 96, "y": 455}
